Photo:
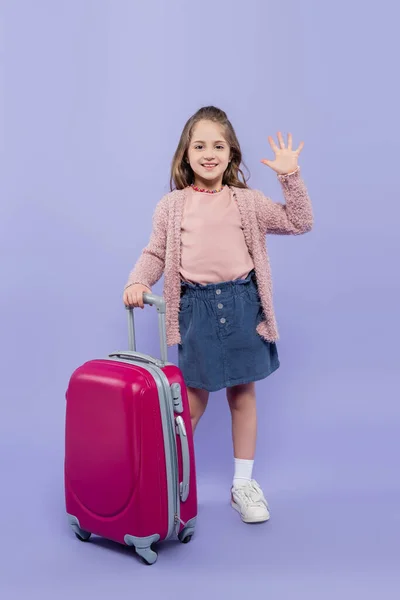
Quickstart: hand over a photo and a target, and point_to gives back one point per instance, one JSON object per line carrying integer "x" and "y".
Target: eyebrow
{"x": 202, "y": 142}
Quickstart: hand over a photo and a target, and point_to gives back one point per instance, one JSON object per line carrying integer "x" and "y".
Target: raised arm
{"x": 150, "y": 266}
{"x": 295, "y": 217}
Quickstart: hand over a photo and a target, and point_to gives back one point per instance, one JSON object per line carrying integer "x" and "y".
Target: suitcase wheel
{"x": 81, "y": 534}
{"x": 144, "y": 547}
{"x": 187, "y": 539}
{"x": 186, "y": 534}
{"x": 147, "y": 555}
{"x": 85, "y": 537}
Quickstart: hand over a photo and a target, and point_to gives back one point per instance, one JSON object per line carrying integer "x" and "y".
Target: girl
{"x": 208, "y": 239}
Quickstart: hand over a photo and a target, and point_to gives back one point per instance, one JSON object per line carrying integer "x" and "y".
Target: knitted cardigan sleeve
{"x": 292, "y": 218}
{"x": 150, "y": 265}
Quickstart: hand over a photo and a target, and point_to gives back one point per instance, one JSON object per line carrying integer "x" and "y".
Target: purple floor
{"x": 334, "y": 531}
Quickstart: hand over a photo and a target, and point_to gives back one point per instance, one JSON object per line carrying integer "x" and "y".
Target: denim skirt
{"x": 220, "y": 346}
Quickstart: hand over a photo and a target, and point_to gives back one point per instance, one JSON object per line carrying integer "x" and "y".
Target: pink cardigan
{"x": 260, "y": 216}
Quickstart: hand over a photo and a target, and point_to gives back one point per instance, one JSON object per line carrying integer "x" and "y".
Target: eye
{"x": 220, "y": 147}
{"x": 198, "y": 147}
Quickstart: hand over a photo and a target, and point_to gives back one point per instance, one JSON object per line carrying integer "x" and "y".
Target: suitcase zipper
{"x": 179, "y": 521}
{"x": 174, "y": 519}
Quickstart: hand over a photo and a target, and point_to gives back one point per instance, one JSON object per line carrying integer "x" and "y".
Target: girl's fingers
{"x": 273, "y": 145}
{"x": 300, "y": 148}
{"x": 290, "y": 141}
{"x": 133, "y": 298}
{"x": 266, "y": 162}
{"x": 281, "y": 140}
{"x": 140, "y": 300}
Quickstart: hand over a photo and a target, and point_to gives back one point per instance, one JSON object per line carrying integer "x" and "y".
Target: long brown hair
{"x": 182, "y": 174}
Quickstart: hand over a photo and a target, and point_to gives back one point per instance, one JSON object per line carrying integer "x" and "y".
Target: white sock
{"x": 243, "y": 471}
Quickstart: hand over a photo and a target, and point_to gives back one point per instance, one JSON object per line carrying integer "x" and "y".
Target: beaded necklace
{"x": 197, "y": 189}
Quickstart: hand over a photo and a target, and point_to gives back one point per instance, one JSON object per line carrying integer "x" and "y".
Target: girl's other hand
{"x": 133, "y": 295}
{"x": 286, "y": 159}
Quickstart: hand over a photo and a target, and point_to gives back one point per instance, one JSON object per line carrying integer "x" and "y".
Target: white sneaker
{"x": 249, "y": 501}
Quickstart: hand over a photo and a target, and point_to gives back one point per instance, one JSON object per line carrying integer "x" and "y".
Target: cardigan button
{"x": 218, "y": 292}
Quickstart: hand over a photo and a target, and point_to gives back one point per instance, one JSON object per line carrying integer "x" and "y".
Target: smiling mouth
{"x": 209, "y": 165}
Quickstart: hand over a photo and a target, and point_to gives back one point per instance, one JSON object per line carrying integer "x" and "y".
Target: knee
{"x": 196, "y": 412}
{"x": 241, "y": 397}
{"x": 198, "y": 400}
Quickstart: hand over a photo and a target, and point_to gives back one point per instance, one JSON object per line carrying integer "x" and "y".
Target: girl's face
{"x": 208, "y": 154}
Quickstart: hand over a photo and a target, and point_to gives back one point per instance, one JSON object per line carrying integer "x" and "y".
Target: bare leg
{"x": 242, "y": 403}
{"x": 198, "y": 400}
{"x": 247, "y": 497}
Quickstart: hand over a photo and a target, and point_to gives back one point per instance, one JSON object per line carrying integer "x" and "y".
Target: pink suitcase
{"x": 129, "y": 456}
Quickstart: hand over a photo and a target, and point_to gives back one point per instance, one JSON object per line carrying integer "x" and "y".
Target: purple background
{"x": 94, "y": 95}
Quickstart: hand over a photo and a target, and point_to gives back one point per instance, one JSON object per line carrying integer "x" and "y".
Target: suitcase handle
{"x": 159, "y": 303}
{"x": 137, "y": 356}
{"x": 185, "y": 483}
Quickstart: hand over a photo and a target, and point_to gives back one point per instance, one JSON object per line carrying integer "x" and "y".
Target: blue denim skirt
{"x": 220, "y": 346}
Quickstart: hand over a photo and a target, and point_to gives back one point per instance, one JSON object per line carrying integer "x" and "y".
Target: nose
{"x": 209, "y": 155}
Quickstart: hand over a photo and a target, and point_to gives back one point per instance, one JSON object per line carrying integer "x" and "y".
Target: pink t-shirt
{"x": 213, "y": 245}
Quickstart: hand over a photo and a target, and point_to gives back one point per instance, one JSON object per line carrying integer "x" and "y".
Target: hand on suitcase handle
{"x": 133, "y": 295}
{"x": 159, "y": 303}
{"x": 151, "y": 299}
